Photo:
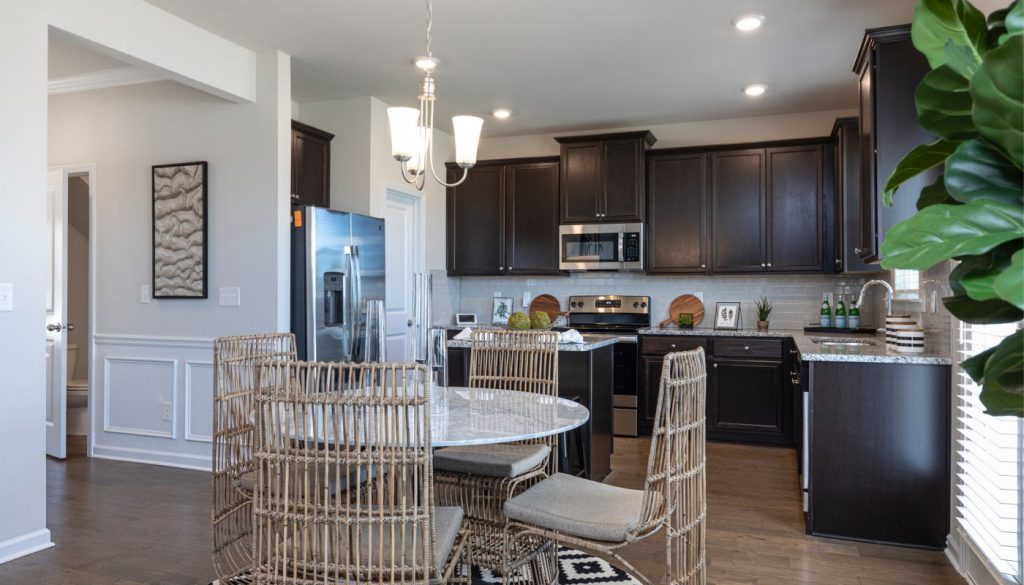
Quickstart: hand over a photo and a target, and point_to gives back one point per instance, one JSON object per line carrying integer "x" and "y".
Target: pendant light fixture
{"x": 412, "y": 130}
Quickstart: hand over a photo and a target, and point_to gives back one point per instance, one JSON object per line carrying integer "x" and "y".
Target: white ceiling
{"x": 565, "y": 64}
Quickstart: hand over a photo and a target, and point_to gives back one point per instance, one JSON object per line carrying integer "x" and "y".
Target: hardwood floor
{"x": 121, "y": 523}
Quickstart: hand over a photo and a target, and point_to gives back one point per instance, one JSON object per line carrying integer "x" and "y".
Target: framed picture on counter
{"x": 727, "y": 315}
{"x": 501, "y": 310}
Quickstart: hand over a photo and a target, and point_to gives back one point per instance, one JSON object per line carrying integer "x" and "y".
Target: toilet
{"x": 78, "y": 397}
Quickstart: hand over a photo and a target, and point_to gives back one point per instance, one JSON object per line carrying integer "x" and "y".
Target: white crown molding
{"x": 205, "y": 343}
{"x": 101, "y": 79}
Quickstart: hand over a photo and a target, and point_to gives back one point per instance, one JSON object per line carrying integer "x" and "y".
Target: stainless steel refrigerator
{"x": 337, "y": 285}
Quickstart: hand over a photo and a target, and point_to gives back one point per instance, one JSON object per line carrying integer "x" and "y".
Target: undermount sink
{"x": 842, "y": 341}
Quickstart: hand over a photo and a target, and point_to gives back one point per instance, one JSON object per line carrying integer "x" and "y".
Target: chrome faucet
{"x": 888, "y": 298}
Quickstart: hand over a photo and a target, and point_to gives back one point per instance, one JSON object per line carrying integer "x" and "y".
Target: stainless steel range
{"x": 622, "y": 316}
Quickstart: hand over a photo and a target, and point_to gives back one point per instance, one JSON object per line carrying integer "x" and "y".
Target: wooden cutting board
{"x": 685, "y": 304}
{"x": 547, "y": 304}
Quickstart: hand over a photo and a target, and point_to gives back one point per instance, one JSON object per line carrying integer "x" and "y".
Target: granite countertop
{"x": 591, "y": 341}
{"x": 934, "y": 353}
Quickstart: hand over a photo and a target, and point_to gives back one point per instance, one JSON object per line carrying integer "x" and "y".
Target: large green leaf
{"x": 915, "y": 162}
{"x": 962, "y": 59}
{"x": 935, "y": 194}
{"x": 998, "y": 92}
{"x": 1002, "y": 390}
{"x": 1010, "y": 284}
{"x": 937, "y": 22}
{"x": 969, "y": 310}
{"x": 978, "y": 170}
{"x": 976, "y": 275}
{"x": 941, "y": 232}
{"x": 997, "y": 25}
{"x": 943, "y": 100}
{"x": 1013, "y": 21}
{"x": 975, "y": 365}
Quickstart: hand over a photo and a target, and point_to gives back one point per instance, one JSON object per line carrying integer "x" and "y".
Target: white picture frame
{"x": 501, "y": 310}
{"x": 727, "y": 315}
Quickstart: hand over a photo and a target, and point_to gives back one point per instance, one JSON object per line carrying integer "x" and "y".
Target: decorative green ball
{"x": 518, "y": 320}
{"x": 540, "y": 320}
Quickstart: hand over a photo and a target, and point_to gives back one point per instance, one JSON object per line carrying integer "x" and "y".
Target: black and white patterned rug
{"x": 576, "y": 568}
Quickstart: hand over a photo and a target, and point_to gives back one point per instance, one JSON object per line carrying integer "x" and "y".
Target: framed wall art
{"x": 727, "y": 316}
{"x": 180, "y": 231}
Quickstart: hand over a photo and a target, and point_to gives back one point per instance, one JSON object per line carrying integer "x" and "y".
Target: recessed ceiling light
{"x": 427, "y": 64}
{"x": 501, "y": 113}
{"x": 749, "y": 22}
{"x": 754, "y": 90}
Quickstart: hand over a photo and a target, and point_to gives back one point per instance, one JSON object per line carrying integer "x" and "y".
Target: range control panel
{"x": 609, "y": 304}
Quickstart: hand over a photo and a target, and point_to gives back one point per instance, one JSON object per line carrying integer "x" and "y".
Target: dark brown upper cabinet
{"x": 602, "y": 177}
{"x": 311, "y": 165}
{"x": 738, "y": 211}
{"x": 795, "y": 209}
{"x": 677, "y": 202}
{"x": 503, "y": 219}
{"x": 846, "y": 138}
{"x": 889, "y": 69}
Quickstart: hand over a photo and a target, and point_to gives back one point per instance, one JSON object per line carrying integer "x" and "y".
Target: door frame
{"x": 405, "y": 194}
{"x": 88, "y": 169}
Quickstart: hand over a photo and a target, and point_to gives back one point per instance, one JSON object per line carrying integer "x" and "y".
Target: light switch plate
{"x": 699, "y": 295}
{"x": 526, "y": 300}
{"x": 230, "y": 296}
{"x": 497, "y": 293}
{"x": 144, "y": 294}
{"x": 6, "y": 296}
{"x": 165, "y": 411}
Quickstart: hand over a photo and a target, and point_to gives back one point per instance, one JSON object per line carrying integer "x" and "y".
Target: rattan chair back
{"x": 318, "y": 425}
{"x": 236, "y": 371}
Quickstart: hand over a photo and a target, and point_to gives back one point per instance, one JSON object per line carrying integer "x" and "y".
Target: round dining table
{"x": 480, "y": 416}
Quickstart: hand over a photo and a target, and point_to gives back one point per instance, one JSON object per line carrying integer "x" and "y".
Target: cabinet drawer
{"x": 669, "y": 343}
{"x": 753, "y": 348}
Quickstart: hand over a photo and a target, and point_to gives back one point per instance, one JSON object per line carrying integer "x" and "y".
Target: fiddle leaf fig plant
{"x": 973, "y": 101}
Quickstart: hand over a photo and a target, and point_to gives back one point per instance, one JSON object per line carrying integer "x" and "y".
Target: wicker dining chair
{"x": 322, "y": 421}
{"x": 236, "y": 370}
{"x": 482, "y": 478}
{"x": 602, "y": 518}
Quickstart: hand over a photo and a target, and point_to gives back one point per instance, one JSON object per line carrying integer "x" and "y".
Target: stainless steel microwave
{"x": 601, "y": 246}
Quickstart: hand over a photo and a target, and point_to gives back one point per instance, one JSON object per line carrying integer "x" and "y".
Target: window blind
{"x": 906, "y": 284}
{"x": 989, "y": 474}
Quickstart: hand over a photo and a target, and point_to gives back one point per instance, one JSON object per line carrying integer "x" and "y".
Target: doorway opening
{"x": 404, "y": 259}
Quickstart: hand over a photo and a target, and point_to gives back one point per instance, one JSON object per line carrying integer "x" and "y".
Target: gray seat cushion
{"x": 447, "y": 522}
{"x": 491, "y": 460}
{"x": 578, "y": 507}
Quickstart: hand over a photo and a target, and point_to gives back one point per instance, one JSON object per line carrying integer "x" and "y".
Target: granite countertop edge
{"x": 590, "y": 343}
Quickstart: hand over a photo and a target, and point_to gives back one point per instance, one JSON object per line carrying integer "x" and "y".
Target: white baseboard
{"x": 153, "y": 457}
{"x": 25, "y": 544}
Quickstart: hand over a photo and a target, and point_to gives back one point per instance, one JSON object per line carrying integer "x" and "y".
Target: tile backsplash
{"x": 796, "y": 299}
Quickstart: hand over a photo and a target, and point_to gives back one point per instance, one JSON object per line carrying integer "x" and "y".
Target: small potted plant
{"x": 686, "y": 320}
{"x": 764, "y": 309}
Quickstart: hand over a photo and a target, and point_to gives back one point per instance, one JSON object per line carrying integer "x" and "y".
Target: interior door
{"x": 56, "y": 313}
{"x": 402, "y": 224}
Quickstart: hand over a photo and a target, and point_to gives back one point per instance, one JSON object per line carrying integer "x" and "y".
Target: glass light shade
{"x": 405, "y": 139}
{"x": 467, "y": 138}
{"x": 415, "y": 164}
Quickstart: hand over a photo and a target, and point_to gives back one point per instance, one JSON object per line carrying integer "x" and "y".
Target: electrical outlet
{"x": 497, "y": 293}
{"x": 6, "y": 296}
{"x": 230, "y": 296}
{"x": 699, "y": 295}
{"x": 165, "y": 411}
{"x": 144, "y": 294}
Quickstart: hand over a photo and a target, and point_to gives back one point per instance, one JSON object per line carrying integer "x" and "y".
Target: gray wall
{"x": 78, "y": 271}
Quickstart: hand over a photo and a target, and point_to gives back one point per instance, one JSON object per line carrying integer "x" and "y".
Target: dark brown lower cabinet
{"x": 749, "y": 400}
{"x": 745, "y": 397}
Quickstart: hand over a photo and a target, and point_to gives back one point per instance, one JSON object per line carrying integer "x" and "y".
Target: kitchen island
{"x": 872, "y": 426}
{"x": 585, "y": 374}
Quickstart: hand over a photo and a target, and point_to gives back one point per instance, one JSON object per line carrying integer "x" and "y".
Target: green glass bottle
{"x": 853, "y": 320}
{"x": 840, "y": 319}
{"x": 826, "y": 313}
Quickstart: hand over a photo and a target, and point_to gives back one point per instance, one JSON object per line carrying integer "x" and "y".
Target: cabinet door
{"x": 848, "y": 199}
{"x": 581, "y": 188}
{"x": 795, "y": 209}
{"x": 677, "y": 213}
{"x": 647, "y": 400}
{"x": 738, "y": 211}
{"x": 623, "y": 170}
{"x": 531, "y": 221}
{"x": 868, "y": 248}
{"x": 745, "y": 396}
{"x": 476, "y": 242}
{"x": 311, "y": 166}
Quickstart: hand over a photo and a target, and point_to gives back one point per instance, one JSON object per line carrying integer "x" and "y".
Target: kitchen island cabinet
{"x": 585, "y": 374}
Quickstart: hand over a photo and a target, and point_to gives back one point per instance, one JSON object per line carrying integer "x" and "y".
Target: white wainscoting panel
{"x": 134, "y": 392}
{"x": 199, "y": 401}
{"x": 136, "y": 376}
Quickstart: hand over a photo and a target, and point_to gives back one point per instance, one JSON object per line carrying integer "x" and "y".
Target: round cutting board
{"x": 548, "y": 304}
{"x": 685, "y": 304}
